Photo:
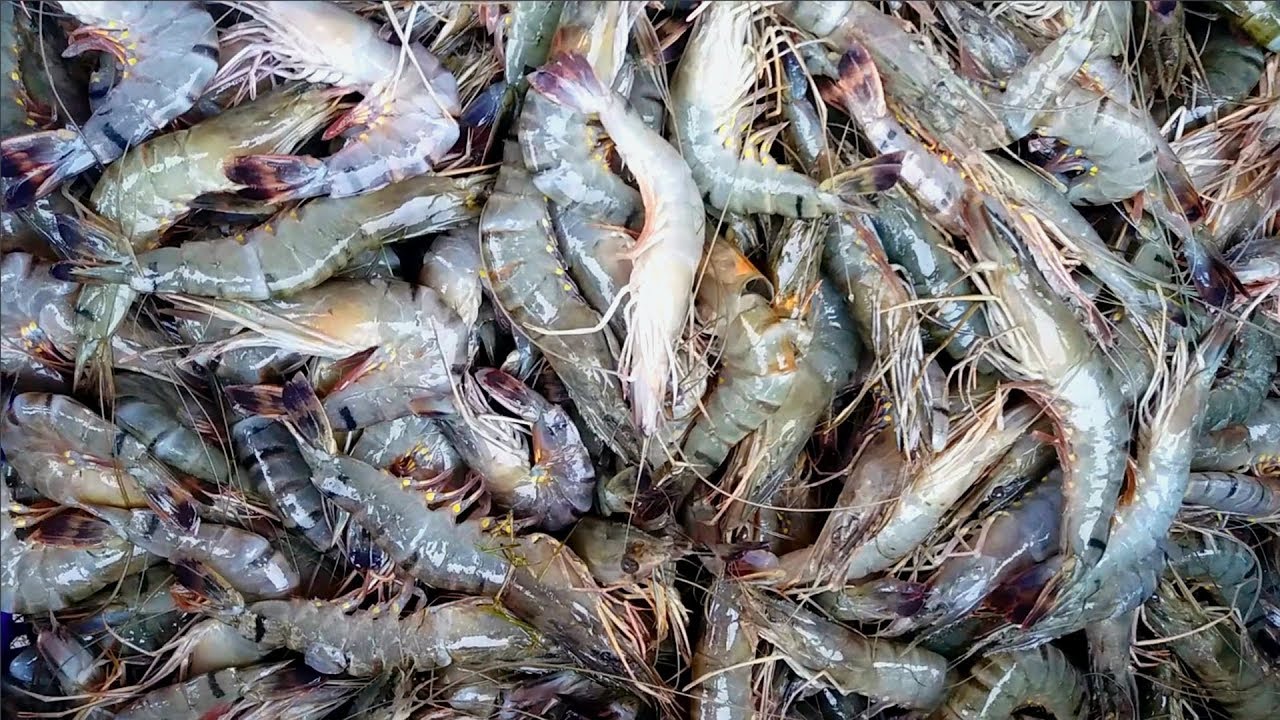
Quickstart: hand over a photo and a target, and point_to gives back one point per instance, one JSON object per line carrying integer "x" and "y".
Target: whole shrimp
{"x": 298, "y": 249}
{"x": 249, "y": 560}
{"x": 1227, "y": 567}
{"x": 167, "y": 52}
{"x": 822, "y": 651}
{"x": 539, "y": 580}
{"x": 669, "y": 247}
{"x": 1217, "y": 655}
{"x": 1007, "y": 543}
{"x": 402, "y": 127}
{"x": 73, "y": 456}
{"x": 722, "y": 661}
{"x": 526, "y": 274}
{"x": 400, "y": 343}
{"x": 364, "y": 643}
{"x": 277, "y": 470}
{"x": 1046, "y": 345}
{"x": 169, "y": 425}
{"x": 207, "y": 693}
{"x": 1003, "y": 683}
{"x": 561, "y": 148}
{"x": 1234, "y": 493}
{"x": 1252, "y": 443}
{"x": 711, "y": 112}
{"x": 38, "y": 575}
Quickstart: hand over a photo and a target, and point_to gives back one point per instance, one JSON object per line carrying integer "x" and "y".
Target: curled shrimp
{"x": 1252, "y": 443}
{"x": 669, "y": 247}
{"x": 167, "y": 51}
{"x": 1235, "y": 493}
{"x": 711, "y": 111}
{"x": 401, "y": 129}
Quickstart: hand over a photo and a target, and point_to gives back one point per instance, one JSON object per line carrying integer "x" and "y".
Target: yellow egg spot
{"x": 483, "y": 274}
{"x": 456, "y": 508}
{"x": 15, "y": 76}
{"x": 124, "y": 74}
{"x": 319, "y": 603}
{"x": 132, "y": 46}
{"x": 113, "y": 24}
{"x": 945, "y": 158}
{"x": 20, "y": 522}
{"x": 376, "y": 610}
{"x": 559, "y": 271}
{"x": 405, "y": 483}
{"x": 550, "y": 248}
{"x": 30, "y": 122}
{"x": 567, "y": 287}
{"x": 364, "y": 137}
{"x": 20, "y": 102}
{"x": 431, "y": 496}
{"x": 266, "y": 227}
{"x": 240, "y": 238}
{"x": 133, "y": 61}
{"x": 1078, "y": 152}
{"x": 395, "y": 608}
{"x": 1093, "y": 170}
{"x": 485, "y": 523}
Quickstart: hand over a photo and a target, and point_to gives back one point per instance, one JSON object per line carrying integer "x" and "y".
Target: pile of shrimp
{"x": 732, "y": 360}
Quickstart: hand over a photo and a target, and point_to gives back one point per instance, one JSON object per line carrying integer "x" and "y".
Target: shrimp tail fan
{"x": 200, "y": 589}
{"x": 858, "y": 89}
{"x": 569, "y": 80}
{"x": 35, "y": 165}
{"x": 277, "y": 178}
{"x": 87, "y": 272}
{"x": 305, "y": 413}
{"x": 71, "y": 529}
{"x": 875, "y": 175}
{"x": 256, "y": 400}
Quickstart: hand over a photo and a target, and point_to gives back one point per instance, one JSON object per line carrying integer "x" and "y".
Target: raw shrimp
{"x": 1234, "y": 493}
{"x": 1245, "y": 379}
{"x": 364, "y": 643}
{"x": 1216, "y": 654}
{"x": 759, "y": 362}
{"x": 167, "y": 423}
{"x": 618, "y": 553}
{"x": 1252, "y": 443}
{"x": 530, "y": 28}
{"x": 1165, "y": 48}
{"x": 561, "y": 149}
{"x": 414, "y": 446}
{"x": 872, "y": 601}
{"x": 38, "y": 319}
{"x": 911, "y": 243}
{"x": 722, "y": 662}
{"x": 1004, "y": 683}
{"x": 153, "y": 185}
{"x": 417, "y": 343}
{"x": 453, "y": 269}
{"x": 824, "y": 652}
{"x": 669, "y": 247}
{"x": 561, "y": 483}
{"x": 276, "y": 468}
{"x": 856, "y": 264}
{"x": 526, "y": 274}
{"x": 73, "y": 456}
{"x": 298, "y": 249}
{"x": 1259, "y": 19}
{"x": 37, "y": 576}
{"x": 540, "y": 581}
{"x": 935, "y": 487}
{"x": 211, "y": 645}
{"x": 1047, "y": 345}
{"x": 401, "y": 128}
{"x": 1030, "y": 458}
{"x": 137, "y": 616}
{"x": 248, "y": 560}
{"x": 168, "y": 52}
{"x": 1226, "y": 566}
{"x": 1007, "y": 543}
{"x": 711, "y": 112}
{"x": 209, "y": 694}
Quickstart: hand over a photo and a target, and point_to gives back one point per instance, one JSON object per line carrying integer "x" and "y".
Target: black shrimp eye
{"x": 629, "y": 565}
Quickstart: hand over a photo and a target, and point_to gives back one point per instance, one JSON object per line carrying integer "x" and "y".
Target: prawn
{"x": 1234, "y": 493}
{"x": 170, "y": 425}
{"x": 401, "y": 129}
{"x": 722, "y": 687}
{"x": 82, "y": 556}
{"x": 364, "y": 643}
{"x": 212, "y": 693}
{"x": 1252, "y": 443}
{"x": 167, "y": 52}
{"x": 1004, "y": 683}
{"x": 75, "y": 457}
{"x": 298, "y": 249}
{"x": 668, "y": 250}
{"x": 276, "y": 469}
{"x": 710, "y": 111}
{"x": 526, "y": 273}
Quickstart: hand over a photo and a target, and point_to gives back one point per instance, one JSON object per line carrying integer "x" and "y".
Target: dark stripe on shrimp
{"x": 1100, "y": 545}
{"x": 153, "y": 524}
{"x": 259, "y": 628}
{"x": 348, "y": 419}
{"x": 208, "y": 51}
{"x": 214, "y": 688}
{"x": 115, "y": 137}
{"x": 266, "y": 453}
{"x": 799, "y": 205}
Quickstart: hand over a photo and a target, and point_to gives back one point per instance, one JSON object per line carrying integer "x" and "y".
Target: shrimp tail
{"x": 858, "y": 85}
{"x": 200, "y": 589}
{"x": 276, "y": 178}
{"x": 256, "y": 400}
{"x": 36, "y": 164}
{"x": 1215, "y": 281}
{"x": 305, "y": 413}
{"x": 71, "y": 530}
{"x": 570, "y": 81}
{"x": 875, "y": 175}
{"x": 87, "y": 272}
{"x": 174, "y": 504}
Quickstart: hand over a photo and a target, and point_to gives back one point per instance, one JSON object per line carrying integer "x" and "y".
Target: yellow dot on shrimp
{"x": 485, "y": 523}
{"x": 20, "y": 102}
{"x": 15, "y": 76}
{"x": 132, "y": 46}
{"x": 364, "y": 137}
{"x": 240, "y": 238}
{"x": 567, "y": 287}
{"x": 1093, "y": 170}
{"x": 550, "y": 248}
{"x": 456, "y": 508}
{"x": 484, "y": 275}
{"x": 30, "y": 122}
{"x": 431, "y": 496}
{"x": 133, "y": 61}
{"x": 559, "y": 271}
{"x": 20, "y": 522}
{"x": 406, "y": 482}
{"x": 395, "y": 608}
{"x": 375, "y": 610}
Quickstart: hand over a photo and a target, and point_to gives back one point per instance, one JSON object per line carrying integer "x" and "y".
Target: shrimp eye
{"x": 629, "y": 565}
